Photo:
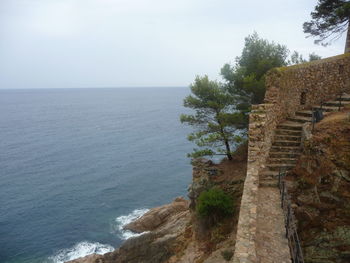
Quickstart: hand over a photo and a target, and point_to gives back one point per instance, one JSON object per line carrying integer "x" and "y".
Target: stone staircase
{"x": 286, "y": 146}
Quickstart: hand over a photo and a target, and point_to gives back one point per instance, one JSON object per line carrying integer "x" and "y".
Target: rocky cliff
{"x": 320, "y": 186}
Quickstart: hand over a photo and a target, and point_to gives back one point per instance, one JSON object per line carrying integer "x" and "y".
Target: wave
{"x": 86, "y": 248}
{"x": 80, "y": 249}
{"x": 126, "y": 219}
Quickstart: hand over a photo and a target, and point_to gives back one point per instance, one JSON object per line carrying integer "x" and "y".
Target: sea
{"x": 78, "y": 164}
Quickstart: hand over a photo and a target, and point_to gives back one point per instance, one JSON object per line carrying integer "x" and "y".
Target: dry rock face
{"x": 321, "y": 192}
{"x": 158, "y": 216}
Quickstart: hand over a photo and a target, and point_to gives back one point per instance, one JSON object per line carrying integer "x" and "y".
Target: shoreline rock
{"x": 163, "y": 226}
{"x": 157, "y": 216}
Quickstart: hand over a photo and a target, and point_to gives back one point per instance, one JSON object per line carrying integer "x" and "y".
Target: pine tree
{"x": 214, "y": 119}
{"x": 245, "y": 80}
{"x": 330, "y": 20}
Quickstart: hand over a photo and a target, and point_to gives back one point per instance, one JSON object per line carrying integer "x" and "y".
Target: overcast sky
{"x": 124, "y": 43}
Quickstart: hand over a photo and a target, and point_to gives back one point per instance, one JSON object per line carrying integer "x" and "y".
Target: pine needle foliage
{"x": 245, "y": 79}
{"x": 330, "y": 20}
{"x": 214, "y": 119}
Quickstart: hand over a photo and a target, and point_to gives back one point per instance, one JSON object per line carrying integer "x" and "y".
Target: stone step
{"x": 285, "y": 143}
{"x": 278, "y": 154}
{"x": 266, "y": 173}
{"x": 270, "y": 174}
{"x": 287, "y": 132}
{"x": 304, "y": 113}
{"x": 290, "y": 125}
{"x": 268, "y": 183}
{"x": 287, "y": 138}
{"x": 344, "y": 97}
{"x": 336, "y": 103}
{"x": 300, "y": 119}
{"x": 280, "y": 166}
{"x": 282, "y": 160}
{"x": 326, "y": 108}
{"x": 285, "y": 149}
{"x": 268, "y": 178}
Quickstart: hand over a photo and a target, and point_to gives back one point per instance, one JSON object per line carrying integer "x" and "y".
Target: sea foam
{"x": 86, "y": 248}
{"x": 79, "y": 250}
{"x": 126, "y": 219}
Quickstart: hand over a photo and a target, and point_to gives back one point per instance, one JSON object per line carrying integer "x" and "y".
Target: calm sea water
{"x": 77, "y": 164}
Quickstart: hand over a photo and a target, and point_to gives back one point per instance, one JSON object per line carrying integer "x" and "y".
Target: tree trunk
{"x": 227, "y": 145}
{"x": 228, "y": 150}
{"x": 347, "y": 43}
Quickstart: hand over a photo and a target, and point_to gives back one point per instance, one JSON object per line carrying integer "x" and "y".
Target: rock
{"x": 157, "y": 216}
{"x": 156, "y": 246}
{"x": 202, "y": 174}
{"x": 94, "y": 258}
{"x": 342, "y": 174}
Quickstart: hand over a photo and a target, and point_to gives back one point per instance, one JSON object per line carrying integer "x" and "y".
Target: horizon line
{"x": 96, "y": 87}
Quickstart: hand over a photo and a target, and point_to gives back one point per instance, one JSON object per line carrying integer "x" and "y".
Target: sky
{"x": 136, "y": 43}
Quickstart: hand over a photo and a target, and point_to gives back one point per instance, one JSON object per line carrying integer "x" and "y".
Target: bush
{"x": 227, "y": 254}
{"x": 214, "y": 203}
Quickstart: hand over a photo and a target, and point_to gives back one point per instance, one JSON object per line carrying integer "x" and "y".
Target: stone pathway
{"x": 272, "y": 244}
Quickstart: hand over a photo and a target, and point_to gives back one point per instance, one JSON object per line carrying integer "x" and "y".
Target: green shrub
{"x": 214, "y": 203}
{"x": 227, "y": 254}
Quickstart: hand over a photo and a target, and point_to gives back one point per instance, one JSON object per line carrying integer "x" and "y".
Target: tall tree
{"x": 245, "y": 80}
{"x": 297, "y": 58}
{"x": 313, "y": 57}
{"x": 214, "y": 119}
{"x": 330, "y": 20}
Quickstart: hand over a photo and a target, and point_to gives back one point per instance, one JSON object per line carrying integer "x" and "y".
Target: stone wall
{"x": 311, "y": 83}
{"x": 262, "y": 122}
{"x": 289, "y": 89}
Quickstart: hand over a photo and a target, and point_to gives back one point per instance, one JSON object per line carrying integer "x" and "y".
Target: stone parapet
{"x": 262, "y": 122}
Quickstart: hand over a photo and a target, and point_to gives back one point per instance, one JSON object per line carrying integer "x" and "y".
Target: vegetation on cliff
{"x": 214, "y": 204}
{"x": 216, "y": 190}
